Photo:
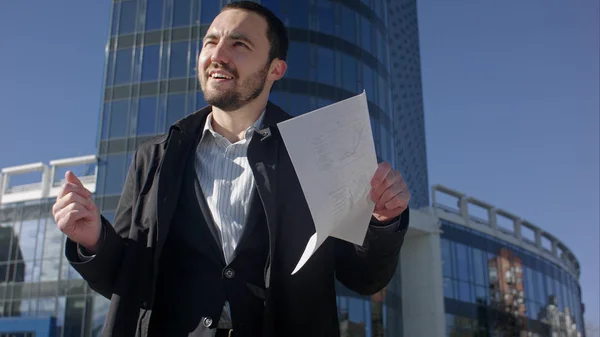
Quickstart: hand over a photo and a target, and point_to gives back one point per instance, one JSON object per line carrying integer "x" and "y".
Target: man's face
{"x": 233, "y": 65}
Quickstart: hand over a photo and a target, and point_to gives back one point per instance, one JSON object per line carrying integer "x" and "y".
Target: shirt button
{"x": 229, "y": 273}
{"x": 207, "y": 322}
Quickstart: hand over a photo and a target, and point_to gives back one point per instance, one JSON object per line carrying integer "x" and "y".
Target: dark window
{"x": 365, "y": 27}
{"x": 299, "y": 16}
{"x": 154, "y": 15}
{"x": 115, "y": 13}
{"x": 109, "y": 68}
{"x": 326, "y": 67}
{"x": 146, "y": 123}
{"x": 447, "y": 258}
{"x": 175, "y": 108}
{"x": 150, "y": 63}
{"x": 462, "y": 261}
{"x": 298, "y": 60}
{"x": 349, "y": 72}
{"x": 348, "y": 26}
{"x": 118, "y": 118}
{"x": 326, "y": 17}
{"x": 179, "y": 60}
{"x": 209, "y": 10}
{"x": 123, "y": 66}
{"x": 298, "y": 104}
{"x": 115, "y": 173}
{"x": 105, "y": 120}
{"x": 127, "y": 18}
{"x": 368, "y": 82}
{"x": 181, "y": 13}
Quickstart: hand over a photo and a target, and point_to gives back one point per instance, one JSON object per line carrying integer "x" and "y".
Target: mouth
{"x": 220, "y": 76}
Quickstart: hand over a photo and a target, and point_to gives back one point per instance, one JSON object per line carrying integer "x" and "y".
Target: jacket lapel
{"x": 263, "y": 156}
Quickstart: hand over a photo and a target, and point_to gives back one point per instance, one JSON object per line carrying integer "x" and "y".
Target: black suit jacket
{"x": 126, "y": 267}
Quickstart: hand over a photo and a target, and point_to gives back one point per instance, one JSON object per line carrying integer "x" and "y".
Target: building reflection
{"x": 493, "y": 288}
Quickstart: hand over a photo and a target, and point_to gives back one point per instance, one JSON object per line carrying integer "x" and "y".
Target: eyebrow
{"x": 233, "y": 36}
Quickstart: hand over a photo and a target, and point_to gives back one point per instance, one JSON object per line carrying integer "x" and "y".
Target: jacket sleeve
{"x": 367, "y": 269}
{"x": 100, "y": 270}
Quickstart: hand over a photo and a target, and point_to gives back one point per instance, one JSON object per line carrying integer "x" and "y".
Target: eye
{"x": 240, "y": 44}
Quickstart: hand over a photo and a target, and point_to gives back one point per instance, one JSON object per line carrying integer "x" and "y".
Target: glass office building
{"x": 37, "y": 284}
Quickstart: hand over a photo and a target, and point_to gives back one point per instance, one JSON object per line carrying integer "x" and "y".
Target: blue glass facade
{"x": 494, "y": 288}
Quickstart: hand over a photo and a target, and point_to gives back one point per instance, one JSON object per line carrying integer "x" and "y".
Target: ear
{"x": 277, "y": 70}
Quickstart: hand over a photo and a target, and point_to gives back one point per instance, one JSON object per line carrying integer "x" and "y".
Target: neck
{"x": 233, "y": 124}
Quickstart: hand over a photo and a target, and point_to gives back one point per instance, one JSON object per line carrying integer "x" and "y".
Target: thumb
{"x": 72, "y": 178}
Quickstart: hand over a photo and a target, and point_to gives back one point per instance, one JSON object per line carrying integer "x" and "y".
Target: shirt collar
{"x": 208, "y": 128}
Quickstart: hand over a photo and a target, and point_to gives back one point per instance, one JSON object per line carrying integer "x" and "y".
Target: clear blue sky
{"x": 510, "y": 92}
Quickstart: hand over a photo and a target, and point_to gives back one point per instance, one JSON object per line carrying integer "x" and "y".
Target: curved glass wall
{"x": 35, "y": 278}
{"x": 494, "y": 288}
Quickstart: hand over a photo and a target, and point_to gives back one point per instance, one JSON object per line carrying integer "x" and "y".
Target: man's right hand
{"x": 76, "y": 214}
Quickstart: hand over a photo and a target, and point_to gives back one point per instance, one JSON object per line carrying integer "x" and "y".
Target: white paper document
{"x": 333, "y": 153}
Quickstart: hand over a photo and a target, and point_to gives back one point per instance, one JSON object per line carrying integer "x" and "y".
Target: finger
{"x": 67, "y": 223}
{"x": 380, "y": 174}
{"x": 400, "y": 201}
{"x": 72, "y": 187}
{"x": 65, "y": 215}
{"x": 377, "y": 191}
{"x": 72, "y": 197}
{"x": 388, "y": 194}
{"x": 72, "y": 178}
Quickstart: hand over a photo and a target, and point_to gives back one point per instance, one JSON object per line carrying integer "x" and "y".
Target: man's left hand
{"x": 389, "y": 192}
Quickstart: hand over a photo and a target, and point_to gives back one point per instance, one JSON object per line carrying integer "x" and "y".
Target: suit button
{"x": 207, "y": 322}
{"x": 229, "y": 273}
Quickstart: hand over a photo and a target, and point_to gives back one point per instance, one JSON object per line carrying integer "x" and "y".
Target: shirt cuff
{"x": 85, "y": 255}
{"x": 394, "y": 225}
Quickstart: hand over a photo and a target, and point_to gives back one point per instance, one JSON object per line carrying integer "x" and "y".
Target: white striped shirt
{"x": 226, "y": 180}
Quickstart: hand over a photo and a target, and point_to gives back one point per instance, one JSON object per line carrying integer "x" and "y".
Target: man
{"x": 212, "y": 219}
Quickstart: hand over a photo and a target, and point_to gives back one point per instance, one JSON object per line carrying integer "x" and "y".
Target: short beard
{"x": 233, "y": 99}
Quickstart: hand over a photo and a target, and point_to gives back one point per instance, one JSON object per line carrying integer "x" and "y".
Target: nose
{"x": 220, "y": 54}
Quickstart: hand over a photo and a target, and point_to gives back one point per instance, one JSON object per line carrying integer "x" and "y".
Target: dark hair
{"x": 276, "y": 31}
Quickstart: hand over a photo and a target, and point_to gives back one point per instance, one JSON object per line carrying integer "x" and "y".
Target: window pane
{"x": 365, "y": 28}
{"x": 300, "y": 16}
{"x": 154, "y": 15}
{"x": 146, "y": 123}
{"x": 209, "y": 10}
{"x": 179, "y": 60}
{"x": 298, "y": 104}
{"x": 193, "y": 63}
{"x": 175, "y": 108}
{"x": 479, "y": 270}
{"x": 123, "y": 66}
{"x": 50, "y": 269}
{"x": 118, "y": 118}
{"x": 115, "y": 12}
{"x": 349, "y": 72}
{"x": 325, "y": 65}
{"x": 298, "y": 60}
{"x": 446, "y": 258}
{"x": 368, "y": 81}
{"x": 150, "y": 63}
{"x": 349, "y": 24}
{"x": 462, "y": 262}
{"x": 325, "y": 14}
{"x": 181, "y": 13}
{"x": 127, "y": 18}
{"x": 109, "y": 68}
{"x": 115, "y": 173}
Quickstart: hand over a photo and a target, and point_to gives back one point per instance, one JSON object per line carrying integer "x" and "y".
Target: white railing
{"x": 47, "y": 186}
{"x": 556, "y": 248}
